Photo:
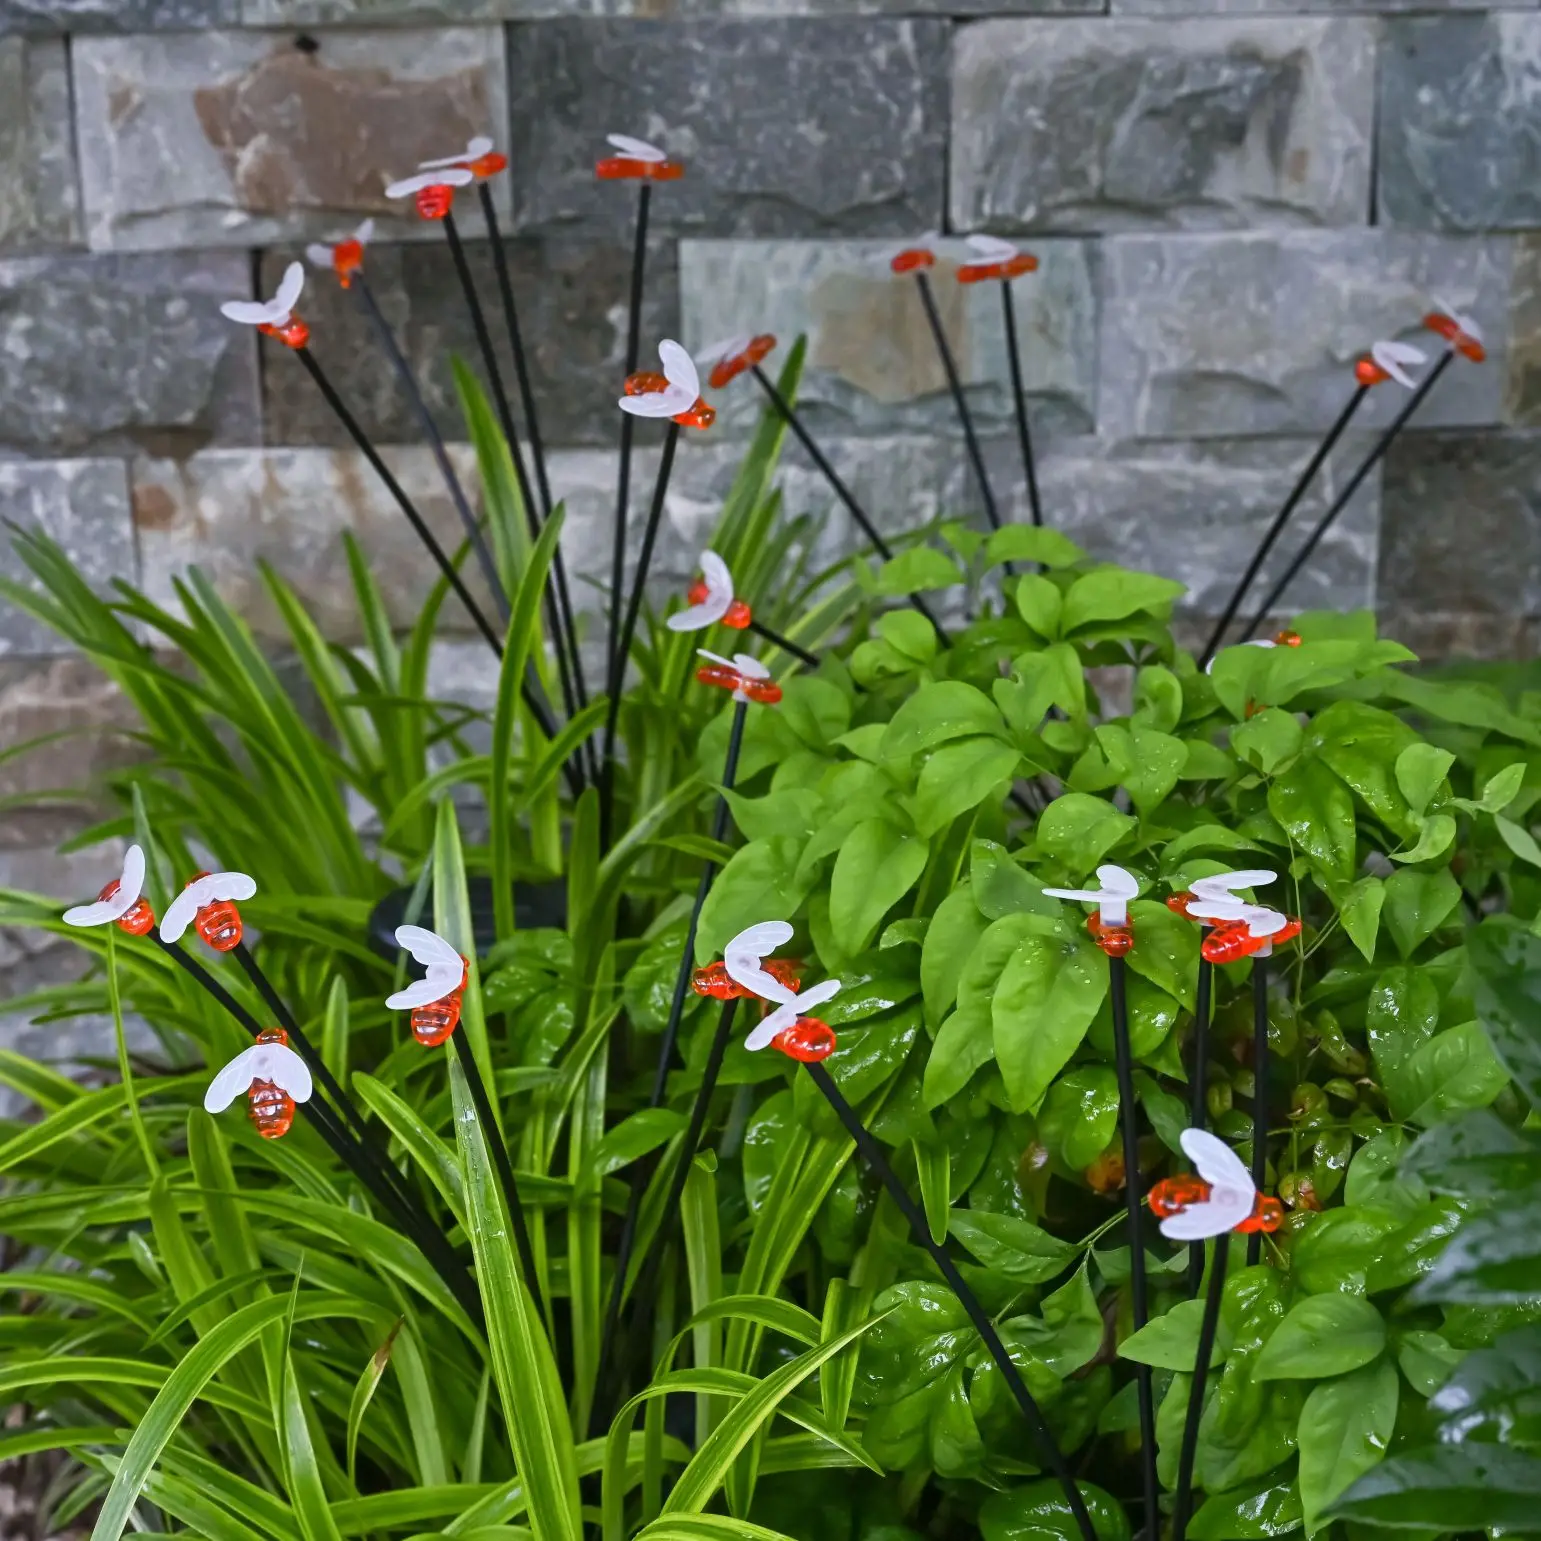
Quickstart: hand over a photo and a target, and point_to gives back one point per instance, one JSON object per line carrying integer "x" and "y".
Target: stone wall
{"x": 1230, "y": 200}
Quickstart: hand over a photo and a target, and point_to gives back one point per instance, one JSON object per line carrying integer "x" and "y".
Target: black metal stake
{"x": 617, "y": 681}
{"x": 1019, "y": 401}
{"x": 786, "y": 644}
{"x": 1139, "y": 1297}
{"x": 1282, "y": 518}
{"x": 451, "y": 573}
{"x": 1198, "y": 1085}
{"x": 1328, "y": 519}
{"x": 1182, "y": 1505}
{"x": 1259, "y": 1090}
{"x": 641, "y": 1169}
{"x": 783, "y": 409}
{"x": 872, "y": 1154}
{"x": 955, "y": 385}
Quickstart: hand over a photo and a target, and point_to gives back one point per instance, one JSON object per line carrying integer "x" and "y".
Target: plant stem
{"x": 1328, "y": 519}
{"x": 785, "y": 412}
{"x": 786, "y": 644}
{"x": 500, "y": 1159}
{"x": 1198, "y": 1104}
{"x": 955, "y": 385}
{"x": 564, "y": 627}
{"x": 1139, "y": 1300}
{"x": 872, "y": 1154}
{"x": 125, "y": 1070}
{"x": 618, "y": 659}
{"x": 640, "y": 1169}
{"x": 1019, "y": 401}
{"x": 1276, "y": 529}
{"x": 628, "y": 427}
{"x": 1259, "y": 1090}
{"x": 1183, "y": 1503}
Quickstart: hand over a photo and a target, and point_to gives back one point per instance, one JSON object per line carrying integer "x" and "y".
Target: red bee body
{"x": 269, "y": 1106}
{"x": 1457, "y": 336}
{"x": 137, "y": 918}
{"x": 219, "y": 923}
{"x": 293, "y": 333}
{"x": 648, "y": 382}
{"x": 627, "y": 168}
{"x": 1172, "y": 1195}
{"x": 912, "y": 259}
{"x": 1009, "y": 267}
{"x": 738, "y": 615}
{"x": 1233, "y": 940}
{"x": 729, "y": 369}
{"x": 807, "y": 1040}
{"x": 715, "y": 980}
{"x": 347, "y": 259}
{"x": 433, "y": 1023}
{"x": 1115, "y": 941}
{"x": 766, "y": 692}
{"x": 436, "y": 201}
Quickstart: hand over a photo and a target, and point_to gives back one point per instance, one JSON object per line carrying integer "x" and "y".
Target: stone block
{"x": 1191, "y": 124}
{"x": 1257, "y": 333}
{"x": 290, "y": 13}
{"x": 1460, "y": 557}
{"x": 83, "y": 16}
{"x": 572, "y": 299}
{"x": 38, "y": 202}
{"x": 84, "y": 506}
{"x": 246, "y": 138}
{"x": 827, "y": 127}
{"x": 1460, "y": 109}
{"x": 125, "y": 352}
{"x": 1294, "y": 7}
{"x": 872, "y": 365}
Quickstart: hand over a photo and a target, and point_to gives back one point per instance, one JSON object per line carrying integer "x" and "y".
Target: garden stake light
{"x": 675, "y": 394}
{"x": 916, "y": 260}
{"x": 644, "y": 164}
{"x": 1221, "y": 1199}
{"x": 998, "y": 259}
{"x": 1462, "y": 337}
{"x": 272, "y": 1078}
{"x": 1385, "y": 361}
{"x": 276, "y": 318}
{"x": 1111, "y": 931}
{"x": 712, "y": 600}
{"x": 740, "y": 354}
{"x": 435, "y": 1003}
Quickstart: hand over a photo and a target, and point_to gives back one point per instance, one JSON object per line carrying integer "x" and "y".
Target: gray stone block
{"x": 872, "y": 365}
{"x": 786, "y": 128}
{"x": 78, "y": 16}
{"x": 38, "y": 202}
{"x": 285, "y": 13}
{"x": 1295, "y": 7}
{"x": 84, "y": 506}
{"x": 1203, "y": 123}
{"x": 572, "y": 299}
{"x": 66, "y": 694}
{"x": 1214, "y": 336}
{"x": 1460, "y": 557}
{"x": 122, "y": 353}
{"x": 243, "y": 138}
{"x": 1460, "y": 109}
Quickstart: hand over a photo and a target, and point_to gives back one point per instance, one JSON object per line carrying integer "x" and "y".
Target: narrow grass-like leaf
{"x": 364, "y": 1390}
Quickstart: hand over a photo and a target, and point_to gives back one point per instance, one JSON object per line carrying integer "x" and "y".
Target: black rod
{"x": 640, "y": 1169}
{"x": 628, "y": 427}
{"x": 617, "y": 681}
{"x": 1182, "y": 1505}
{"x": 1198, "y": 1086}
{"x": 955, "y": 385}
{"x": 786, "y": 644}
{"x": 1282, "y": 518}
{"x": 784, "y": 410}
{"x": 1330, "y": 517}
{"x": 1259, "y": 1090}
{"x": 872, "y": 1153}
{"x": 1019, "y": 401}
{"x": 1139, "y": 1296}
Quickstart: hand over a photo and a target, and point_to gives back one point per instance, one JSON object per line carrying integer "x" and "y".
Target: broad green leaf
{"x": 1435, "y": 835}
{"x": 761, "y": 882}
{"x": 1014, "y": 1248}
{"x": 950, "y": 938}
{"x": 1360, "y": 913}
{"x": 1490, "y": 1394}
{"x": 876, "y": 867}
{"x": 1417, "y": 905}
{"x": 1248, "y": 1514}
{"x": 1001, "y": 886}
{"x": 1111, "y": 593}
{"x": 1166, "y": 949}
{"x": 1421, "y": 769}
{"x": 1518, "y": 839}
{"x": 1316, "y": 810}
{"x": 1345, "y": 1429}
{"x": 1080, "y": 1114}
{"x": 1031, "y": 543}
{"x": 1321, "y": 1336}
{"x": 1038, "y": 1511}
{"x": 921, "y": 567}
{"x": 1080, "y": 830}
{"x": 1505, "y": 958}
{"x": 1502, "y": 787}
{"x": 959, "y": 776}
{"x": 1402, "y": 1015}
{"x": 1460, "y": 1488}
{"x": 1039, "y": 602}
{"x": 1171, "y": 1342}
{"x": 1048, "y": 994}
{"x": 938, "y": 712}
{"x": 1453, "y": 1071}
{"x": 1268, "y": 740}
{"x": 964, "y": 1042}
{"x": 1362, "y": 745}
{"x": 1041, "y": 680}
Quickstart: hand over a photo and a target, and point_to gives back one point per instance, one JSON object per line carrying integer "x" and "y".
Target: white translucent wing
{"x": 656, "y": 403}
{"x": 727, "y": 663}
{"x": 679, "y": 369}
{"x": 248, "y": 312}
{"x": 445, "y": 970}
{"x": 637, "y": 149}
{"x": 233, "y": 1081}
{"x": 694, "y": 618}
{"x": 365, "y": 233}
{"x": 719, "y": 581}
{"x": 730, "y": 347}
{"x": 1223, "y": 1211}
{"x": 406, "y": 186}
{"x": 205, "y": 890}
{"x": 750, "y": 668}
{"x": 98, "y": 912}
{"x": 741, "y": 957}
{"x": 450, "y": 176}
{"x": 278, "y": 1063}
{"x": 319, "y": 256}
{"x": 1216, "y": 1162}
{"x": 785, "y": 1015}
{"x": 1390, "y": 358}
{"x": 426, "y": 947}
{"x": 1223, "y": 884}
{"x": 132, "y": 881}
{"x": 719, "y": 595}
{"x": 1401, "y": 352}
{"x": 290, "y": 287}
{"x": 991, "y": 247}
{"x": 1086, "y": 895}
{"x": 1262, "y": 921}
{"x": 1118, "y": 883}
{"x": 1226, "y": 907}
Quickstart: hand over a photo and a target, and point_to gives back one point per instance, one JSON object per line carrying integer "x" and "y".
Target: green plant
{"x": 222, "y": 1329}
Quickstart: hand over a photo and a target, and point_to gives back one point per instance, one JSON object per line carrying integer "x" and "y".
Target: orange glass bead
{"x": 137, "y": 918}
{"x": 1267, "y": 1215}
{"x": 913, "y": 258}
{"x": 766, "y": 692}
{"x": 1367, "y": 372}
{"x": 624, "y": 168}
{"x": 719, "y": 675}
{"x": 488, "y": 165}
{"x": 219, "y": 923}
{"x": 1178, "y": 904}
{"x": 1115, "y": 941}
{"x": 701, "y": 415}
{"x": 738, "y": 615}
{"x": 807, "y": 1040}
{"x": 1233, "y": 940}
{"x": 347, "y": 259}
{"x": 729, "y": 369}
{"x": 292, "y": 334}
{"x": 1287, "y": 638}
{"x": 433, "y": 1023}
{"x": 1172, "y": 1195}
{"x": 1463, "y": 342}
{"x": 1106, "y": 1173}
{"x": 715, "y": 981}
{"x": 1010, "y": 267}
{"x": 698, "y": 593}
{"x": 435, "y": 202}
{"x": 646, "y": 382}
